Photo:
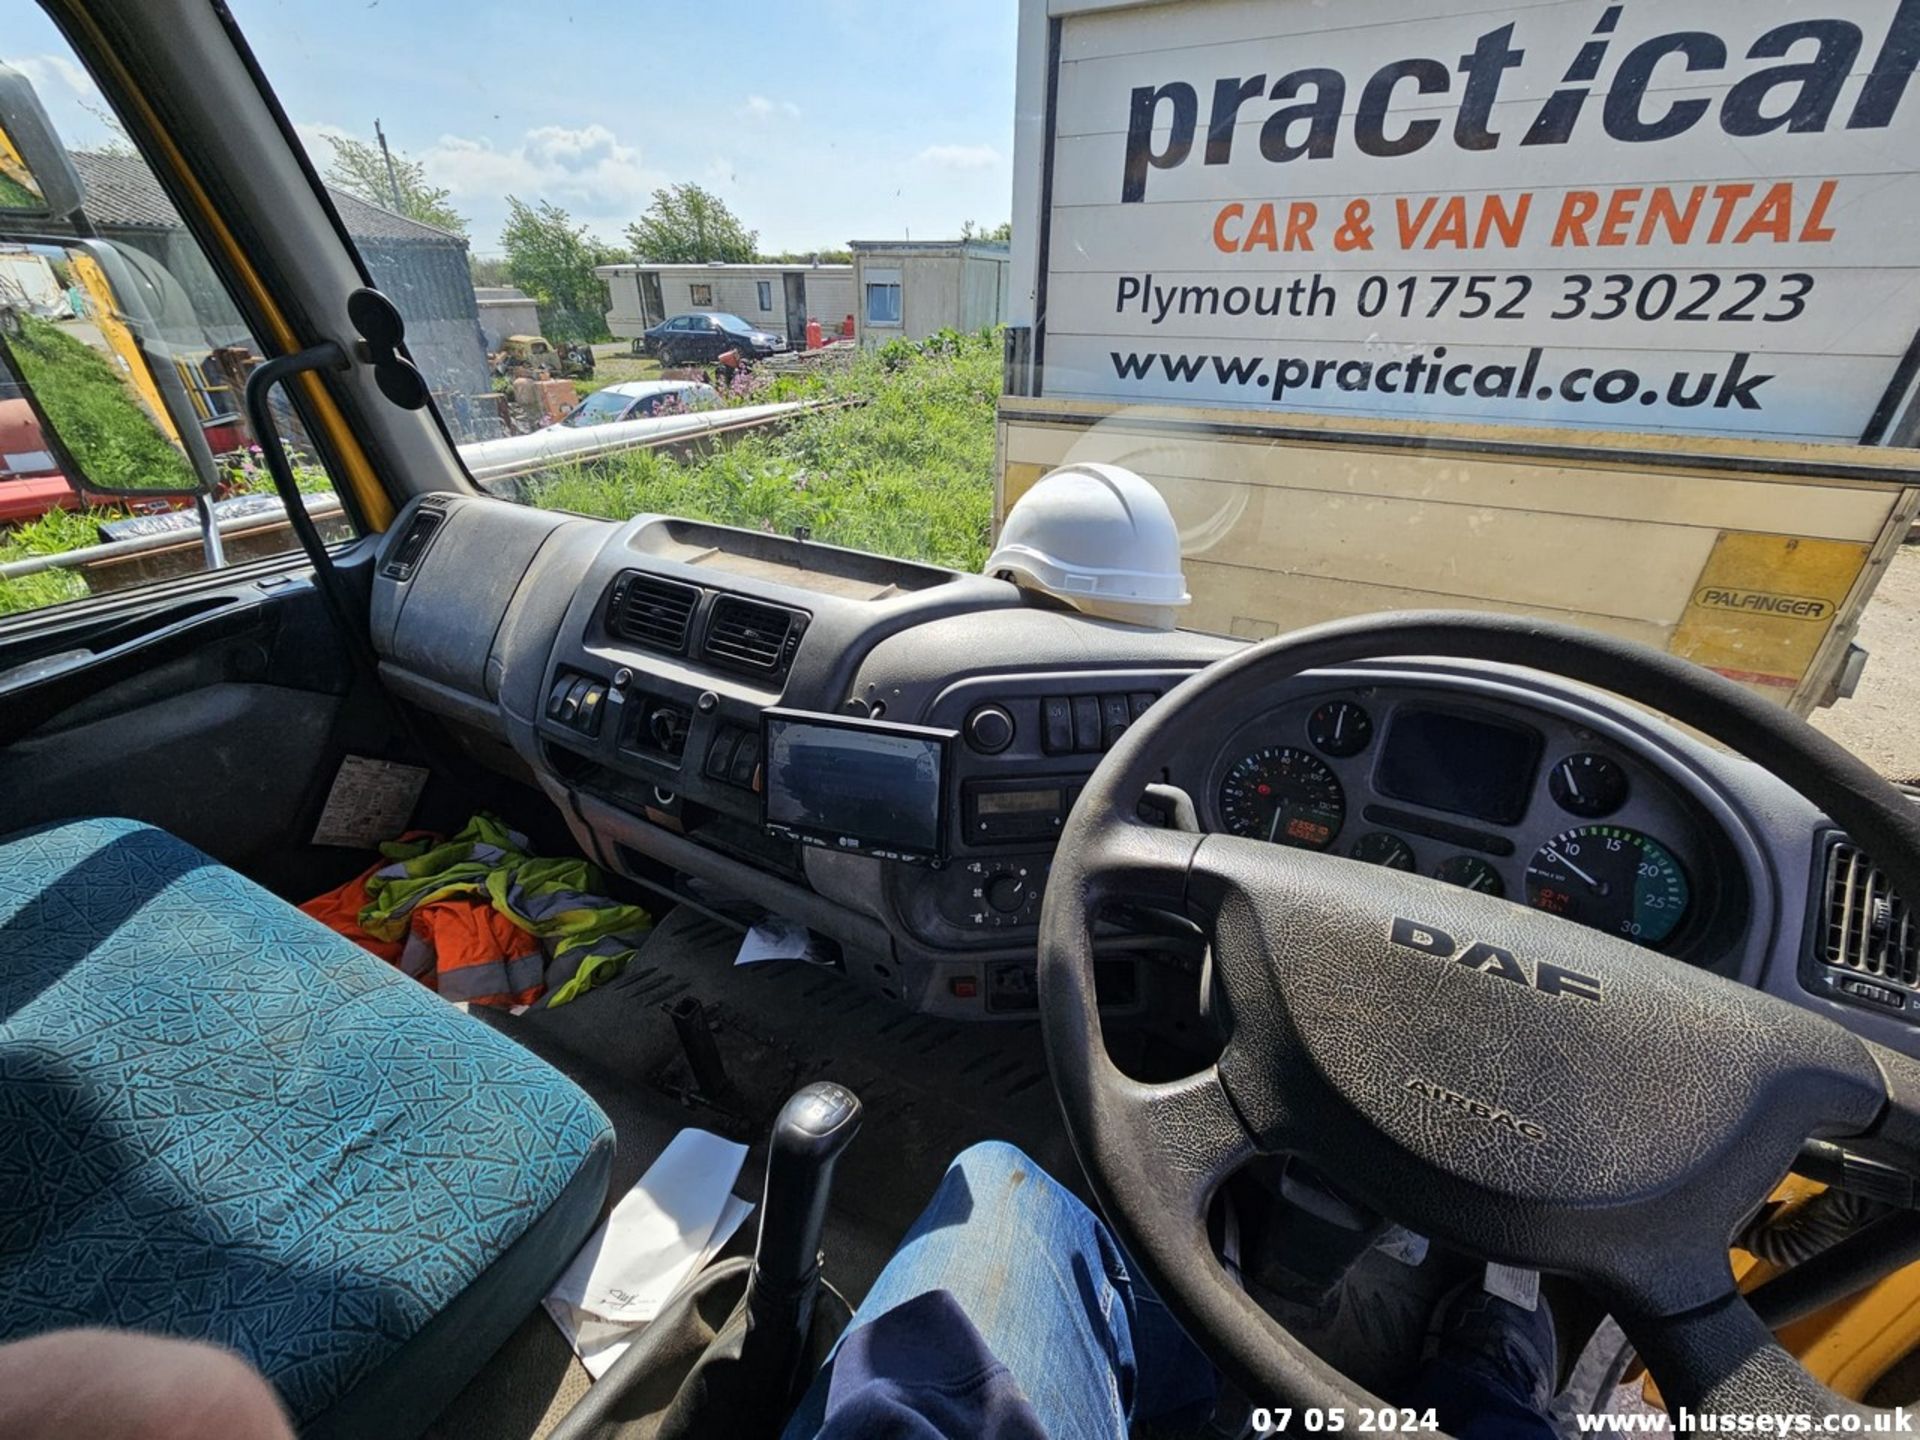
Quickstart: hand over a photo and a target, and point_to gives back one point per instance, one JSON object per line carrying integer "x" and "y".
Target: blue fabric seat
{"x": 220, "y": 1120}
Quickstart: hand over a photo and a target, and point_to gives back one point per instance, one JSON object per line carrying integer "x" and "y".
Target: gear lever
{"x": 814, "y": 1127}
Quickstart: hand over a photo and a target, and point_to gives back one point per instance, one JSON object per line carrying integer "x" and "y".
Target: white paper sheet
{"x": 775, "y": 938}
{"x": 602, "y": 1342}
{"x": 673, "y": 1221}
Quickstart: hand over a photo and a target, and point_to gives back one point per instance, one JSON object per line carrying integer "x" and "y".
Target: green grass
{"x": 909, "y": 472}
{"x": 112, "y": 439}
{"x": 16, "y": 196}
{"x": 54, "y": 533}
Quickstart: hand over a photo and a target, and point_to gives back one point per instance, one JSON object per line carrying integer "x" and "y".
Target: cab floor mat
{"x": 930, "y": 1087}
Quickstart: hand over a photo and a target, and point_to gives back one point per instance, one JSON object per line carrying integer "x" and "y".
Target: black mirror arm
{"x": 333, "y": 590}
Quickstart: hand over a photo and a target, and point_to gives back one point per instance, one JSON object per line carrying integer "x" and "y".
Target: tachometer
{"x": 1285, "y": 795}
{"x": 1612, "y": 879}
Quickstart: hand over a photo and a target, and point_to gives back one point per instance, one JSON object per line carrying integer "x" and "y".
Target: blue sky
{"x": 818, "y": 122}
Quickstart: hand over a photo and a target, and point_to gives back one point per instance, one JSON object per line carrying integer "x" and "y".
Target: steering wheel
{"x": 1519, "y": 1087}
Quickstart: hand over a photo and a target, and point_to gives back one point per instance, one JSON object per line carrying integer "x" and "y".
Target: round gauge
{"x": 1470, "y": 872}
{"x": 1382, "y": 848}
{"x": 1285, "y": 795}
{"x": 1340, "y": 728}
{"x": 1612, "y": 879}
{"x": 1589, "y": 785}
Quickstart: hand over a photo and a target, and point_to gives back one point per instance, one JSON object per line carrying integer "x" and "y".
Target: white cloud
{"x": 569, "y": 166}
{"x": 587, "y": 170}
{"x": 761, "y": 108}
{"x": 959, "y": 157}
{"x": 49, "y": 72}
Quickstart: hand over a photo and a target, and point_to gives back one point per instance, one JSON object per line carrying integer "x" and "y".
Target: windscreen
{"x": 1594, "y": 312}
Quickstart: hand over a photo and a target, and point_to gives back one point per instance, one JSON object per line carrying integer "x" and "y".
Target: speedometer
{"x": 1612, "y": 879}
{"x": 1285, "y": 795}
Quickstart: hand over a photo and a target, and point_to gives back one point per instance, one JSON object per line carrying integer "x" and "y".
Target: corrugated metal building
{"x": 421, "y": 267}
{"x": 780, "y": 298}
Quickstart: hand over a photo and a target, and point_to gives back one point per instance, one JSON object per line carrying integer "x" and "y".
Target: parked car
{"x": 638, "y": 399}
{"x": 708, "y": 337}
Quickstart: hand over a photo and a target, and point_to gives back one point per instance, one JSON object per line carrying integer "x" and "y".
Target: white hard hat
{"x": 1100, "y": 538}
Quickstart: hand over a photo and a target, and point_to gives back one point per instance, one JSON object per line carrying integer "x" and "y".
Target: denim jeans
{"x": 1049, "y": 1290}
{"x": 1092, "y": 1347}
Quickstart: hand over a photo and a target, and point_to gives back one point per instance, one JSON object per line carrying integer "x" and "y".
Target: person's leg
{"x": 1492, "y": 1371}
{"x": 117, "y": 1385}
{"x": 1045, "y": 1284}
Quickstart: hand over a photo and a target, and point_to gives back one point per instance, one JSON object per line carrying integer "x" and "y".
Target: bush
{"x": 907, "y": 471}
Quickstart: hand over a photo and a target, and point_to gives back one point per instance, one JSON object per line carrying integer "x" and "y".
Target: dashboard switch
{"x": 1056, "y": 725}
{"x": 721, "y": 751}
{"x": 746, "y": 760}
{"x": 1874, "y": 994}
{"x": 1114, "y": 719}
{"x": 1138, "y": 702}
{"x": 1086, "y": 724}
{"x": 587, "y": 718}
{"x": 1007, "y": 893}
{"x": 990, "y": 729}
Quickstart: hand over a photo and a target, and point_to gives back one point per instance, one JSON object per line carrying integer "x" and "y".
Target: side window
{"x": 765, "y": 288}
{"x": 883, "y": 297}
{"x": 123, "y": 360}
{"x": 702, "y": 295}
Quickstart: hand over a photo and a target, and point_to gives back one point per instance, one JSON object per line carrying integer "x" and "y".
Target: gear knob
{"x": 813, "y": 1129}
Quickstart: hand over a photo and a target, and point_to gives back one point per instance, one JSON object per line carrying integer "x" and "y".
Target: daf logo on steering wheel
{"x": 1548, "y": 979}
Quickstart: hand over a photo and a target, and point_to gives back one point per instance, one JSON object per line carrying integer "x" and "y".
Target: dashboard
{"x": 886, "y": 753}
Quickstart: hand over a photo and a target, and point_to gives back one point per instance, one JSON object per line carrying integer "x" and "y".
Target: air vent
{"x": 1869, "y": 930}
{"x": 746, "y": 635}
{"x": 407, "y": 554}
{"x": 651, "y": 612}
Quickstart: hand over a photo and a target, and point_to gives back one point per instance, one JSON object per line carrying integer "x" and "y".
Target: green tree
{"x": 361, "y": 170}
{"x": 1001, "y": 234}
{"x": 552, "y": 259}
{"x": 808, "y": 257}
{"x": 688, "y": 225}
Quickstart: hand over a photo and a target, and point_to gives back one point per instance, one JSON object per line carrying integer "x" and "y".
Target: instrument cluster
{"x": 1491, "y": 796}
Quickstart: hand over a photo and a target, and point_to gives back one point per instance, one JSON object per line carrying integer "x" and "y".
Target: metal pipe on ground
{"x": 319, "y": 506}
